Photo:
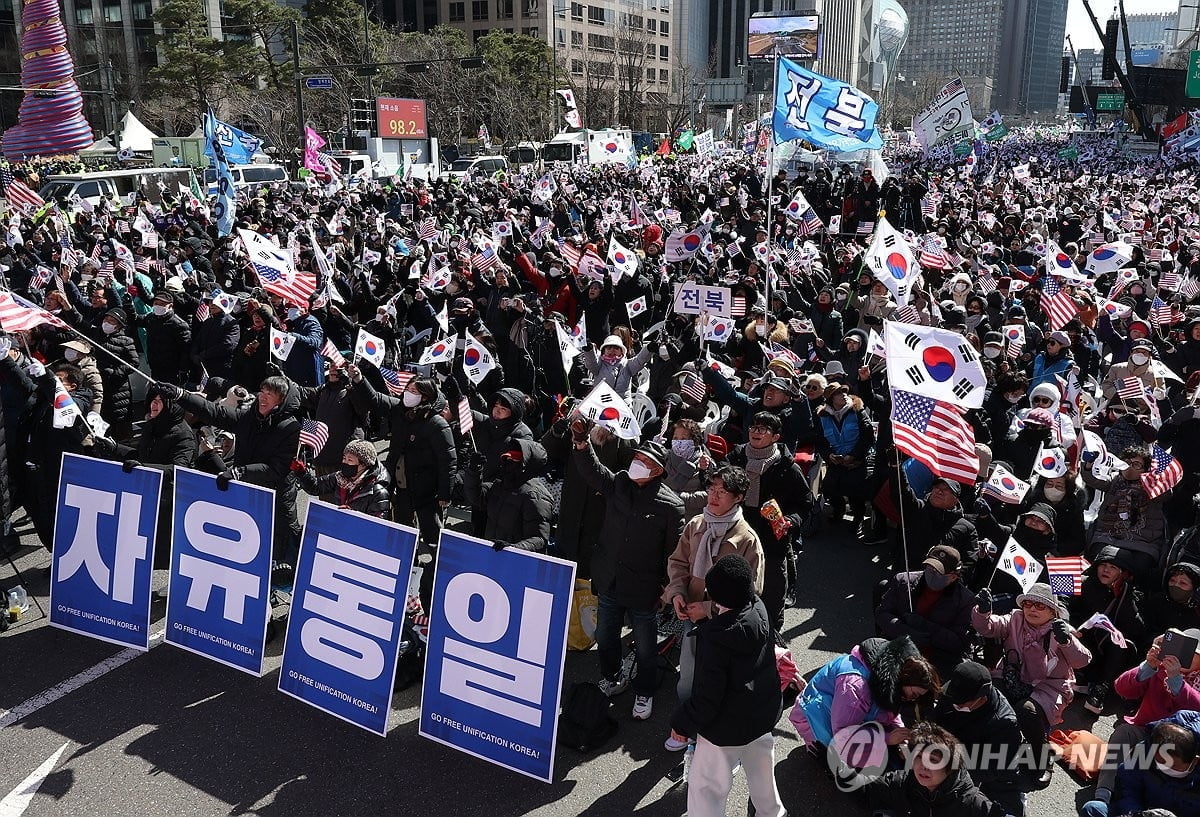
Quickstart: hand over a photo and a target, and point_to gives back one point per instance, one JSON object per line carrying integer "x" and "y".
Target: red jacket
{"x": 1158, "y": 701}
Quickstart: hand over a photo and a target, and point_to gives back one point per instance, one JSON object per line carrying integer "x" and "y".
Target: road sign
{"x": 1192, "y": 86}
{"x": 318, "y": 83}
{"x": 1110, "y": 102}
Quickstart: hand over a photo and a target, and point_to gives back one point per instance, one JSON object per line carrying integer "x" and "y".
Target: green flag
{"x": 996, "y": 133}
{"x": 1071, "y": 153}
{"x": 684, "y": 142}
{"x": 962, "y": 148}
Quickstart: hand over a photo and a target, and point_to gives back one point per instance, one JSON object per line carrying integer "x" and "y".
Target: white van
{"x": 247, "y": 175}
{"x": 480, "y": 167}
{"x": 109, "y": 184}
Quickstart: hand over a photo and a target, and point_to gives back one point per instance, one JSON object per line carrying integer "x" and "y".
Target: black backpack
{"x": 585, "y": 723}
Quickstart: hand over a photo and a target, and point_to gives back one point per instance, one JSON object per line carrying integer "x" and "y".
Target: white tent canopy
{"x": 134, "y": 135}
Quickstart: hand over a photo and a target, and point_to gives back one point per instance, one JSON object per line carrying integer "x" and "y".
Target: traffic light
{"x": 362, "y": 115}
{"x": 1108, "y": 67}
{"x": 1064, "y": 76}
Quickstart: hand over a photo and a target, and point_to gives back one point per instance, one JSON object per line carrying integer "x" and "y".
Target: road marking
{"x": 61, "y": 690}
{"x": 17, "y": 800}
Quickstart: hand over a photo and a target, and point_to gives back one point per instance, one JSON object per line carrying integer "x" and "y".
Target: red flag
{"x": 664, "y": 148}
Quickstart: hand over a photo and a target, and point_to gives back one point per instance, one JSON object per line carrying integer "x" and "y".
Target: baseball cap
{"x": 943, "y": 558}
{"x": 968, "y": 681}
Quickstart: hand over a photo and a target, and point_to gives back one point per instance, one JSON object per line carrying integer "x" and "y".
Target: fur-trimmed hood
{"x": 885, "y": 658}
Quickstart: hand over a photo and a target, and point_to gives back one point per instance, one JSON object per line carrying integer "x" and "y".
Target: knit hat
{"x": 730, "y": 582}
{"x": 117, "y": 316}
{"x": 1048, "y": 390}
{"x": 364, "y": 450}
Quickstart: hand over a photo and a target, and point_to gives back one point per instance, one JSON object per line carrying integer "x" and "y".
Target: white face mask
{"x": 1139, "y": 359}
{"x": 683, "y": 448}
{"x": 1055, "y": 494}
{"x": 1170, "y": 771}
{"x": 160, "y": 310}
{"x": 71, "y": 355}
{"x": 761, "y": 330}
{"x": 991, "y": 352}
{"x": 411, "y": 399}
{"x": 638, "y": 470}
{"x": 293, "y": 314}
{"x": 109, "y": 328}
{"x": 1014, "y": 399}
{"x": 960, "y": 287}
{"x": 966, "y": 708}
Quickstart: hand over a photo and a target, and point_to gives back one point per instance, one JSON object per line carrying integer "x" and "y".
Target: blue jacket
{"x": 1139, "y": 789}
{"x": 303, "y": 365}
{"x": 1044, "y": 372}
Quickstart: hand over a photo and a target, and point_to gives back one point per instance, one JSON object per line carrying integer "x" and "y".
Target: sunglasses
{"x": 1043, "y": 401}
{"x": 1033, "y": 605}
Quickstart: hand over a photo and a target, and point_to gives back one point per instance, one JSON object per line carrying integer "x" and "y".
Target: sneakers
{"x": 643, "y": 705}
{"x": 1097, "y": 695}
{"x": 614, "y": 687}
{"x": 674, "y": 744}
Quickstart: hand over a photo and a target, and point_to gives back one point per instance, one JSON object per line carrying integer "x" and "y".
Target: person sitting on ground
{"x": 1177, "y": 603}
{"x": 1108, "y": 590}
{"x": 1167, "y": 788}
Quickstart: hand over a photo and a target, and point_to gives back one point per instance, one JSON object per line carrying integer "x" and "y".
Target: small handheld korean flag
{"x": 1051, "y": 462}
{"x": 65, "y": 410}
{"x": 605, "y": 407}
{"x": 477, "y": 360}
{"x": 123, "y": 253}
{"x": 566, "y": 347}
{"x": 621, "y": 258}
{"x": 935, "y": 363}
{"x": 1005, "y": 486}
{"x": 501, "y": 229}
{"x": 369, "y": 347}
{"x": 281, "y": 343}
{"x": 891, "y": 259}
{"x": 718, "y": 329}
{"x": 545, "y": 189}
{"x": 1019, "y": 563}
{"x": 439, "y": 351}
{"x": 636, "y": 307}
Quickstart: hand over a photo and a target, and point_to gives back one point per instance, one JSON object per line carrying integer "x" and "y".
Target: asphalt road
{"x": 169, "y": 732}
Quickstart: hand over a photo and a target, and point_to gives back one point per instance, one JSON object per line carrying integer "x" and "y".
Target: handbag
{"x": 1010, "y": 682}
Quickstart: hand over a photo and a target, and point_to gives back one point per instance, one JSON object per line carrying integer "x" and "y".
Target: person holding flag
{"x": 1130, "y": 518}
{"x": 1108, "y": 590}
{"x": 612, "y": 366}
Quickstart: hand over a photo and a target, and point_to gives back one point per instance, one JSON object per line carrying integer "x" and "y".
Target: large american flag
{"x": 935, "y": 434}
{"x": 427, "y": 230}
{"x": 396, "y": 382}
{"x": 314, "y": 434}
{"x": 17, "y": 192}
{"x": 19, "y": 315}
{"x": 1163, "y": 475}
{"x": 1056, "y": 303}
{"x": 294, "y": 288}
{"x": 933, "y": 254}
{"x": 1130, "y": 388}
{"x": 1065, "y": 574}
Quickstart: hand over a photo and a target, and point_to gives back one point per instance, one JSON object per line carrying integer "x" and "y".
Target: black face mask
{"x": 349, "y": 471}
{"x": 1178, "y": 594}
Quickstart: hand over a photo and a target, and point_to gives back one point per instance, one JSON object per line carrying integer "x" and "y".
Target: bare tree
{"x": 632, "y": 42}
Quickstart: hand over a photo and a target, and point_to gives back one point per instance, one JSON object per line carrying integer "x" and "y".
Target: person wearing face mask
{"x": 958, "y": 288}
{"x": 168, "y": 341}
{"x": 518, "y": 502}
{"x": 493, "y": 434}
{"x": 687, "y": 453}
{"x": 254, "y": 348}
{"x": 1128, "y": 519}
{"x": 643, "y": 519}
{"x": 1108, "y": 590}
{"x": 1036, "y": 668}
{"x": 1001, "y": 405}
{"x": 847, "y": 436}
{"x": 874, "y": 307}
{"x": 978, "y": 323}
{"x": 1052, "y": 363}
{"x": 117, "y": 408}
{"x": 974, "y": 711}
{"x": 304, "y": 364}
{"x": 932, "y": 607}
{"x": 79, "y": 354}
{"x": 1175, "y": 603}
{"x": 1119, "y": 344}
{"x": 613, "y": 366}
{"x": 1137, "y": 367}
{"x": 777, "y": 489}
{"x": 342, "y": 409}
{"x": 1181, "y": 433}
{"x": 1065, "y": 500}
{"x": 358, "y": 484}
{"x": 1169, "y": 787}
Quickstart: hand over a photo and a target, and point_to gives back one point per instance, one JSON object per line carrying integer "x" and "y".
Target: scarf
{"x": 715, "y": 528}
{"x": 758, "y": 460}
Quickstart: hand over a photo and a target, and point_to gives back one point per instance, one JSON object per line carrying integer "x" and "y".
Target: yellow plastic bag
{"x": 581, "y": 632}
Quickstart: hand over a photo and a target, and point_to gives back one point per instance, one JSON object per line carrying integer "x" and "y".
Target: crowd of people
{"x": 164, "y": 335}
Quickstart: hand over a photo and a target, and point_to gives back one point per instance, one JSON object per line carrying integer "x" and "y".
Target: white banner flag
{"x": 947, "y": 114}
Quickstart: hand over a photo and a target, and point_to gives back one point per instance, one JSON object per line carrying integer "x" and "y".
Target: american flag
{"x": 95, "y": 254}
{"x": 1160, "y": 312}
{"x": 935, "y": 434}
{"x": 692, "y": 386}
{"x": 542, "y": 230}
{"x": 1065, "y": 574}
{"x": 1164, "y": 474}
{"x": 933, "y": 255}
{"x": 396, "y": 382}
{"x": 485, "y": 259}
{"x": 18, "y": 193}
{"x": 570, "y": 253}
{"x": 19, "y": 315}
{"x": 986, "y": 283}
{"x": 314, "y": 434}
{"x": 1130, "y": 388}
{"x": 466, "y": 420}
{"x": 331, "y": 353}
{"x": 202, "y": 312}
{"x": 295, "y": 288}
{"x": 141, "y": 264}
{"x": 866, "y": 227}
{"x": 1189, "y": 287}
{"x": 810, "y": 223}
{"x": 427, "y": 230}
{"x": 928, "y": 207}
{"x": 41, "y": 277}
{"x": 1057, "y": 304}
{"x": 739, "y": 307}
{"x": 906, "y": 314}
{"x": 1169, "y": 281}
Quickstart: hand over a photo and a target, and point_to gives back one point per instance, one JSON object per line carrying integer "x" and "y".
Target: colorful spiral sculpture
{"x": 49, "y": 125}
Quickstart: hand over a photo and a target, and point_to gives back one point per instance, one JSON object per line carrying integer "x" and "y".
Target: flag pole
{"x": 901, "y": 487}
{"x": 770, "y": 176}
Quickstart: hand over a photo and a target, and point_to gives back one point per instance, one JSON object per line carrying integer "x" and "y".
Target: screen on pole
{"x": 401, "y": 118}
{"x": 796, "y": 33}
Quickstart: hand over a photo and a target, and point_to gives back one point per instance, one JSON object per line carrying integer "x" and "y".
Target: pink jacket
{"x": 1157, "y": 700}
{"x": 1051, "y": 670}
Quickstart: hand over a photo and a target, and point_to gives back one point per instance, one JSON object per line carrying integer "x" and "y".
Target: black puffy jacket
{"x": 423, "y": 438}
{"x": 168, "y": 346}
{"x": 118, "y": 396}
{"x": 213, "y": 342}
{"x": 736, "y": 695}
{"x": 518, "y": 504}
{"x": 166, "y": 440}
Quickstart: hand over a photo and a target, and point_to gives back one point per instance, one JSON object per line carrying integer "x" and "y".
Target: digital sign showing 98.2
{"x": 401, "y": 118}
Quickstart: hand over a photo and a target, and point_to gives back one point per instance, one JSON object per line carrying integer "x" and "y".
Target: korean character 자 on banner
{"x": 846, "y": 117}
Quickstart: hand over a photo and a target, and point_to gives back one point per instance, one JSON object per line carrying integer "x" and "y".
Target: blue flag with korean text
{"x": 830, "y": 114}
{"x": 104, "y": 550}
{"x": 219, "y": 596}
{"x": 239, "y": 147}
{"x": 225, "y": 209}
{"x": 497, "y": 642}
{"x": 344, "y": 628}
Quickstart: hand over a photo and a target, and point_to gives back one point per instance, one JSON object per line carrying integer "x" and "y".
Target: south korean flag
{"x": 605, "y": 407}
{"x": 935, "y": 363}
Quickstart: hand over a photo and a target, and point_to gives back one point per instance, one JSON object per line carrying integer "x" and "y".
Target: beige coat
{"x": 740, "y": 539}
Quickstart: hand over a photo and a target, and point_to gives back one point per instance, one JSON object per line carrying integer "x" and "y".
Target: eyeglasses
{"x": 813, "y": 387}
{"x": 1053, "y": 343}
{"x": 718, "y": 489}
{"x": 1033, "y": 605}
{"x": 761, "y": 430}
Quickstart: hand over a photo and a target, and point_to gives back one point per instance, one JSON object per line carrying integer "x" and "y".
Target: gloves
{"x": 1061, "y": 630}
{"x": 1089, "y": 457}
{"x": 579, "y": 431}
{"x": 129, "y": 465}
{"x": 169, "y": 390}
{"x": 500, "y": 545}
{"x": 35, "y": 369}
{"x": 227, "y": 476}
{"x": 561, "y": 426}
{"x": 298, "y": 466}
{"x": 982, "y": 508}
{"x": 983, "y": 601}
{"x": 273, "y": 370}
